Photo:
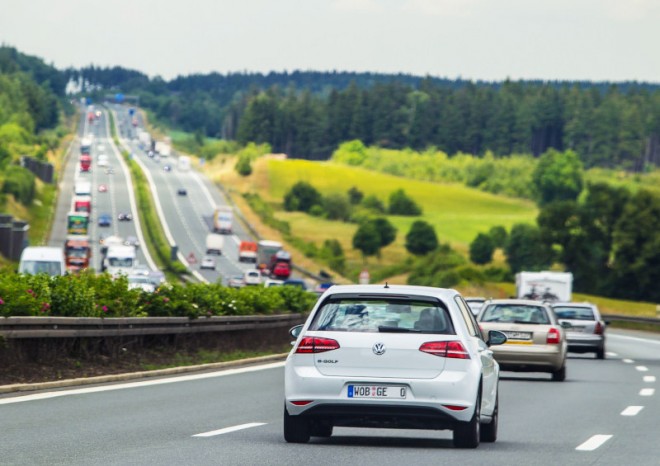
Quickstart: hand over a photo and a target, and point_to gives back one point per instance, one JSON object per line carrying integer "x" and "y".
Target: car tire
{"x": 600, "y": 353}
{"x": 321, "y": 430}
{"x": 559, "y": 375}
{"x": 488, "y": 432}
{"x": 467, "y": 434}
{"x": 296, "y": 428}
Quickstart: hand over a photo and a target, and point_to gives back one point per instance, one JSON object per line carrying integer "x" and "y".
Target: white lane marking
{"x": 642, "y": 368}
{"x": 594, "y": 442}
{"x": 227, "y": 430}
{"x": 649, "y": 378}
{"x": 644, "y": 340}
{"x": 647, "y": 391}
{"x": 632, "y": 410}
{"x": 144, "y": 383}
{"x": 611, "y": 355}
{"x": 628, "y": 361}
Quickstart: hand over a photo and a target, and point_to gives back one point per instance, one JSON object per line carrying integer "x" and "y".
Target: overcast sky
{"x": 598, "y": 40}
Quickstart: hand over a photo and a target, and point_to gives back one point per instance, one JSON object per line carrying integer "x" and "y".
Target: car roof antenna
{"x": 386, "y": 285}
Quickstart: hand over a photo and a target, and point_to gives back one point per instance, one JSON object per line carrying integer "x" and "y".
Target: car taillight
{"x": 553, "y": 336}
{"x": 599, "y": 329}
{"x": 316, "y": 345}
{"x": 445, "y": 349}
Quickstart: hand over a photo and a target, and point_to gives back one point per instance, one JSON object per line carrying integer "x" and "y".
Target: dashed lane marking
{"x": 228, "y": 430}
{"x": 611, "y": 355}
{"x": 632, "y": 410}
{"x": 594, "y": 442}
{"x": 647, "y": 391}
{"x": 628, "y": 361}
{"x": 649, "y": 378}
{"x": 642, "y": 368}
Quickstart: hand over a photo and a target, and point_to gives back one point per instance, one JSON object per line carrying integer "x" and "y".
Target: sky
{"x": 491, "y": 40}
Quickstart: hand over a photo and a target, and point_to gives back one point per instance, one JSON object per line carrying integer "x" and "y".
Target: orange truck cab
{"x": 247, "y": 252}
{"x": 77, "y": 252}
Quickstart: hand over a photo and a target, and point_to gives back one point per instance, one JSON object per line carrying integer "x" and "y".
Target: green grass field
{"x": 458, "y": 213}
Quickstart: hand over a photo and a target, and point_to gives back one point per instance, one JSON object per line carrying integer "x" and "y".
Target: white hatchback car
{"x": 407, "y": 357}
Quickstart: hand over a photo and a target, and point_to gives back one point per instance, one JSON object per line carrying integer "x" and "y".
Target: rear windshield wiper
{"x": 390, "y": 329}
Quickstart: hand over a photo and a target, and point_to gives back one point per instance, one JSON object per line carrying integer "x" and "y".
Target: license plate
{"x": 519, "y": 335}
{"x": 376, "y": 391}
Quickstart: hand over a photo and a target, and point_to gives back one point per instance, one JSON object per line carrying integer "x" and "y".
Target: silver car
{"x": 586, "y": 333}
{"x": 536, "y": 341}
{"x": 407, "y": 357}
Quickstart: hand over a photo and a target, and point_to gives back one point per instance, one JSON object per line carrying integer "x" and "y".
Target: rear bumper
{"x": 532, "y": 358}
{"x": 585, "y": 343}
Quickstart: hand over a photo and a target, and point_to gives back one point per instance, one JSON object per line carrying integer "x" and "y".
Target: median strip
{"x": 594, "y": 442}
{"x": 228, "y": 430}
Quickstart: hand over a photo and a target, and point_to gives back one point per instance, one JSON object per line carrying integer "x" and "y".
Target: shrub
{"x": 302, "y": 196}
{"x": 371, "y": 202}
{"x": 421, "y": 239}
{"x": 401, "y": 204}
{"x": 337, "y": 207}
{"x": 20, "y": 182}
{"x": 481, "y": 249}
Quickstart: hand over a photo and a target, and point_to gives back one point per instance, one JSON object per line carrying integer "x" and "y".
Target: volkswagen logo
{"x": 378, "y": 349}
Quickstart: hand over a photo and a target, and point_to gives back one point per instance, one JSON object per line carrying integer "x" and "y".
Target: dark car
{"x": 105, "y": 220}
{"x": 167, "y": 168}
{"x": 182, "y": 192}
{"x": 124, "y": 217}
{"x": 300, "y": 283}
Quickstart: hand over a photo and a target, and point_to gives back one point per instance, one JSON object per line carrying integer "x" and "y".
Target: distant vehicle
{"x": 544, "y": 286}
{"x": 105, "y": 220}
{"x": 141, "y": 269}
{"x": 184, "y": 163}
{"x": 103, "y": 161}
{"x": 163, "y": 149}
{"x": 85, "y": 145}
{"x": 141, "y": 282}
{"x": 77, "y": 223}
{"x": 208, "y": 262}
{"x": 77, "y": 252}
{"x": 85, "y": 162}
{"x": 132, "y": 241}
{"x": 298, "y": 282}
{"x": 475, "y": 304}
{"x": 266, "y": 249}
{"x": 272, "y": 282}
{"x": 120, "y": 260}
{"x": 38, "y": 259}
{"x": 145, "y": 139}
{"x": 536, "y": 341}
{"x": 167, "y": 168}
{"x": 182, "y": 192}
{"x": 247, "y": 251}
{"x": 586, "y": 333}
{"x": 109, "y": 171}
{"x": 103, "y": 188}
{"x": 236, "y": 281}
{"x": 214, "y": 244}
{"x": 124, "y": 217}
{"x": 222, "y": 220}
{"x": 322, "y": 287}
{"x": 281, "y": 270}
{"x": 252, "y": 277}
{"x": 82, "y": 188}
{"x": 82, "y": 204}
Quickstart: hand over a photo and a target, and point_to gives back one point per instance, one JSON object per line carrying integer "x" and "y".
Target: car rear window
{"x": 516, "y": 313}
{"x": 382, "y": 315}
{"x": 574, "y": 313}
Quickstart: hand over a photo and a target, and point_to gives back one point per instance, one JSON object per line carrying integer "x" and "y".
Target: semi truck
{"x": 544, "y": 286}
{"x": 77, "y": 252}
{"x": 163, "y": 149}
{"x": 214, "y": 244}
{"x": 77, "y": 223}
{"x": 82, "y": 188}
{"x": 280, "y": 265}
{"x": 119, "y": 260}
{"x": 85, "y": 162}
{"x": 86, "y": 145}
{"x": 266, "y": 249}
{"x": 247, "y": 251}
{"x": 82, "y": 204}
{"x": 223, "y": 219}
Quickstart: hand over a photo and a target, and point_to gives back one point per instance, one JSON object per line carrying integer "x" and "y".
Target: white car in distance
{"x": 406, "y": 357}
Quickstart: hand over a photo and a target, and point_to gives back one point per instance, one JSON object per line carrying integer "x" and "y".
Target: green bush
{"x": 20, "y": 182}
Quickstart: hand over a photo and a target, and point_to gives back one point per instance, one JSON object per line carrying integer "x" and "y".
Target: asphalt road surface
{"x": 605, "y": 413}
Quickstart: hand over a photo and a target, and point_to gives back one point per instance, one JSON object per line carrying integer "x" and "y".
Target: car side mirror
{"x": 565, "y": 325}
{"x": 295, "y": 331}
{"x": 496, "y": 337}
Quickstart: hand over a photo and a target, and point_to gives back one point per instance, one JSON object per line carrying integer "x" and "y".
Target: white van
{"x": 83, "y": 188}
{"x": 120, "y": 260}
{"x": 42, "y": 259}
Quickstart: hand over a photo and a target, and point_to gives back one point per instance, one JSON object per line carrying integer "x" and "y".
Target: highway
{"x": 119, "y": 197}
{"x": 605, "y": 413}
{"x": 188, "y": 219}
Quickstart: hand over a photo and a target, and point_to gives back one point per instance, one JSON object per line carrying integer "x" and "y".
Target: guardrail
{"x": 72, "y": 327}
{"x": 634, "y": 319}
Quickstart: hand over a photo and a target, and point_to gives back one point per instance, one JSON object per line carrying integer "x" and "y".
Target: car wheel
{"x": 559, "y": 375}
{"x": 296, "y": 428}
{"x": 466, "y": 434}
{"x": 489, "y": 431}
{"x": 321, "y": 429}
{"x": 600, "y": 353}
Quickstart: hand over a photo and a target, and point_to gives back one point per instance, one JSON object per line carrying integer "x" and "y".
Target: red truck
{"x": 77, "y": 252}
{"x": 82, "y": 204}
{"x": 280, "y": 265}
{"x": 85, "y": 162}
